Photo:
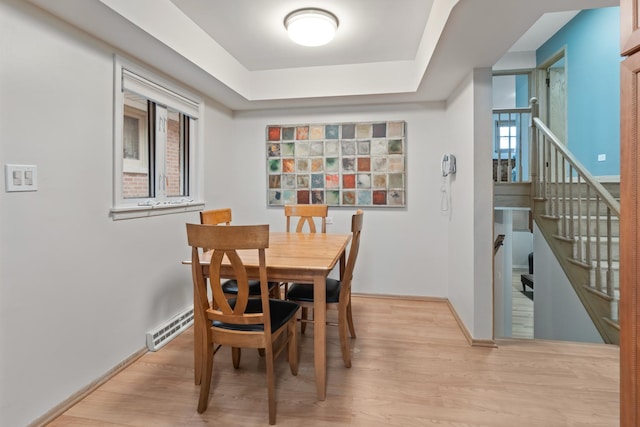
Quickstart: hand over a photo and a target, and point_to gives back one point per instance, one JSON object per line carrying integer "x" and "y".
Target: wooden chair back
{"x": 223, "y": 216}
{"x": 356, "y": 228}
{"x": 306, "y": 215}
{"x": 224, "y": 242}
{"x": 216, "y": 216}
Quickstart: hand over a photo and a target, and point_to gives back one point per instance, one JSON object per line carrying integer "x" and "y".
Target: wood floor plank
{"x": 412, "y": 366}
{"x": 522, "y": 308}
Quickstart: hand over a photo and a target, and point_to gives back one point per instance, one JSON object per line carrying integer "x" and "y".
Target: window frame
{"x": 506, "y": 124}
{"x": 164, "y": 92}
{"x": 140, "y": 165}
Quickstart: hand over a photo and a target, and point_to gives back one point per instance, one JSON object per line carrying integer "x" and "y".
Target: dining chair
{"x": 230, "y": 286}
{"x": 241, "y": 322}
{"x": 306, "y": 215}
{"x": 338, "y": 292}
{"x": 216, "y": 216}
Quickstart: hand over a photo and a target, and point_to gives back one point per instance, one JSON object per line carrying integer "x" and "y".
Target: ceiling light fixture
{"x": 311, "y": 26}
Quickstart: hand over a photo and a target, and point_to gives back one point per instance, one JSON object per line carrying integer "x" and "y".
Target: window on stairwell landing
{"x": 506, "y": 135}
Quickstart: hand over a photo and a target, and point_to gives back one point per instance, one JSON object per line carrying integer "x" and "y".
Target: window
{"x": 156, "y": 135}
{"x": 134, "y": 135}
{"x": 506, "y": 135}
{"x": 510, "y": 130}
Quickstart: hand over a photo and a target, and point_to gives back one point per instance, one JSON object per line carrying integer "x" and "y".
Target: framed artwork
{"x": 338, "y": 164}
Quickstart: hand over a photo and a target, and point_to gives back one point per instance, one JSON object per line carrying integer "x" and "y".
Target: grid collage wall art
{"x": 338, "y": 164}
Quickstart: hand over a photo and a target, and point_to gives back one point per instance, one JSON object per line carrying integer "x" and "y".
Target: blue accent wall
{"x": 592, "y": 53}
{"x": 522, "y": 90}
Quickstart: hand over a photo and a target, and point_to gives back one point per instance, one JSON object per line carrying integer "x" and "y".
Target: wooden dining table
{"x": 300, "y": 258}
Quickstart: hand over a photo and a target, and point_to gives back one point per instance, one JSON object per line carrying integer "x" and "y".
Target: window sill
{"x": 165, "y": 208}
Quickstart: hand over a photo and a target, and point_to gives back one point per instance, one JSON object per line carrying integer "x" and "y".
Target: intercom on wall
{"x": 448, "y": 164}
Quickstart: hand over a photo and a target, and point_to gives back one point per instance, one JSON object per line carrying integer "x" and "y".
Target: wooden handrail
{"x": 582, "y": 171}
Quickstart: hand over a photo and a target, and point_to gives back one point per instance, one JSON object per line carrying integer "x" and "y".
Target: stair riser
{"x": 581, "y": 225}
{"x": 602, "y": 305}
{"x": 615, "y": 251}
{"x": 565, "y": 248}
{"x": 607, "y": 309}
{"x": 614, "y": 284}
{"x": 603, "y": 308}
{"x": 613, "y": 333}
{"x": 574, "y": 208}
{"x": 581, "y": 190}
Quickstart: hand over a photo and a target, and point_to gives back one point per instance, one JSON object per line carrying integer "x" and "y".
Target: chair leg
{"x": 352, "y": 328}
{"x": 205, "y": 382}
{"x": 292, "y": 347}
{"x": 304, "y": 316}
{"x": 199, "y": 342}
{"x": 235, "y": 356}
{"x": 344, "y": 339}
{"x": 271, "y": 392}
{"x": 275, "y": 292}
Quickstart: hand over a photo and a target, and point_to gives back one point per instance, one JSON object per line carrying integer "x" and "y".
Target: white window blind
{"x": 155, "y": 92}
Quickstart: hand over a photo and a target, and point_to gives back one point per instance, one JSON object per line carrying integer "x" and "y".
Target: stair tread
{"x": 592, "y": 217}
{"x": 593, "y": 239}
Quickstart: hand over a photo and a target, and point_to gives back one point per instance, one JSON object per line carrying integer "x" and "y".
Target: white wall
{"x": 471, "y": 219}
{"x": 504, "y": 92}
{"x": 78, "y": 291}
{"x": 522, "y": 247}
{"x": 402, "y": 248}
{"x": 558, "y": 314}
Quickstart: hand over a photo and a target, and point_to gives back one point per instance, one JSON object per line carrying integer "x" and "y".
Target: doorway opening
{"x": 513, "y": 294}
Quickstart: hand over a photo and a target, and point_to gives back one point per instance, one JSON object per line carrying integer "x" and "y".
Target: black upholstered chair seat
{"x": 304, "y": 292}
{"x": 231, "y": 287}
{"x": 280, "y": 312}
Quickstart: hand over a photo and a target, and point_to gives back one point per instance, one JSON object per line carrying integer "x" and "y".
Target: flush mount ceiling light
{"x": 311, "y": 26}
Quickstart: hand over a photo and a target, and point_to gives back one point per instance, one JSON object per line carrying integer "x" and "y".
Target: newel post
{"x": 533, "y": 155}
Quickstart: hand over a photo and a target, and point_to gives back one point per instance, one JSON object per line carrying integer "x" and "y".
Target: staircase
{"x": 583, "y": 233}
{"x": 579, "y": 218}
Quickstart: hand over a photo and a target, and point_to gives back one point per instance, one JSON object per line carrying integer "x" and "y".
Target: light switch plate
{"x": 20, "y": 178}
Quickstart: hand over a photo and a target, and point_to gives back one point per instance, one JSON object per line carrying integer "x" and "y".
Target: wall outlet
{"x": 20, "y": 178}
{"x": 602, "y": 157}
{"x": 329, "y": 220}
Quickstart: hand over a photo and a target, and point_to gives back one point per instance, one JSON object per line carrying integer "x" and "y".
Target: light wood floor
{"x": 411, "y": 367}
{"x": 522, "y": 308}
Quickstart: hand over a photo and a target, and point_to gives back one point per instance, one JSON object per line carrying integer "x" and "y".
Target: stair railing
{"x": 511, "y": 149}
{"x": 568, "y": 192}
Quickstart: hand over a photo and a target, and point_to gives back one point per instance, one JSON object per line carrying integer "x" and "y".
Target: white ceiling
{"x": 547, "y": 25}
{"x": 385, "y": 51}
{"x": 253, "y": 31}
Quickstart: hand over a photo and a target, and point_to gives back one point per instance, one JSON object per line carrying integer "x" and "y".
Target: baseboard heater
{"x": 173, "y": 327}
